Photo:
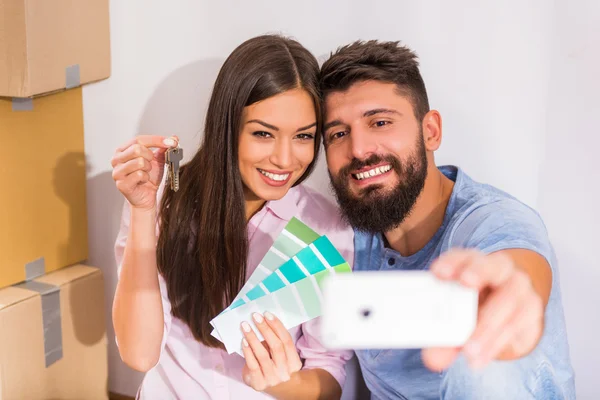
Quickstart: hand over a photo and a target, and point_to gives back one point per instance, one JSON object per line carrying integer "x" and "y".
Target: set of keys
{"x": 172, "y": 158}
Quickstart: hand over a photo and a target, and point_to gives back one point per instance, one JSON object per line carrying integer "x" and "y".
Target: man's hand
{"x": 511, "y": 312}
{"x": 272, "y": 363}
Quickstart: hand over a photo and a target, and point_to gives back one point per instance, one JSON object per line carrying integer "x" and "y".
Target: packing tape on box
{"x": 22, "y": 104}
{"x": 72, "y": 80}
{"x": 35, "y": 269}
{"x": 51, "y": 320}
{"x": 72, "y": 76}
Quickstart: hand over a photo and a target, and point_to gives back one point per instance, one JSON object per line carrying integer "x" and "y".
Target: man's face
{"x": 375, "y": 154}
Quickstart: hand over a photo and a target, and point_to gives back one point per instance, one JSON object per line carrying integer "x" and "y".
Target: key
{"x": 173, "y": 157}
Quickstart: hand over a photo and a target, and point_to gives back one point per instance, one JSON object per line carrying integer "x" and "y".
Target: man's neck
{"x": 426, "y": 216}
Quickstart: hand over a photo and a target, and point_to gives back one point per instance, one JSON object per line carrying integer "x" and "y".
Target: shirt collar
{"x": 286, "y": 207}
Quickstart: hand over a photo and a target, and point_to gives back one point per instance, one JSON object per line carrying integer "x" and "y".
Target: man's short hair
{"x": 387, "y": 62}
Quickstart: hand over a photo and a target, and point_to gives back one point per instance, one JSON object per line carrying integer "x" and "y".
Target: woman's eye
{"x": 262, "y": 134}
{"x": 306, "y": 136}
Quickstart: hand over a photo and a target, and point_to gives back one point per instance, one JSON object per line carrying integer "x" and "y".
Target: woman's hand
{"x": 138, "y": 171}
{"x": 270, "y": 363}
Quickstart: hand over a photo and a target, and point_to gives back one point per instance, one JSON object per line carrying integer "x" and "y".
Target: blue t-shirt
{"x": 477, "y": 216}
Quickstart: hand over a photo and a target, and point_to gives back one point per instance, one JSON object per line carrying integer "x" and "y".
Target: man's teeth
{"x": 275, "y": 177}
{"x": 373, "y": 172}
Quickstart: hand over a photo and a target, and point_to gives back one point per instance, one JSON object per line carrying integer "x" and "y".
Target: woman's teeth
{"x": 275, "y": 177}
{"x": 372, "y": 172}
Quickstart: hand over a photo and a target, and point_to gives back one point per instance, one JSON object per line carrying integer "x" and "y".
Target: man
{"x": 380, "y": 137}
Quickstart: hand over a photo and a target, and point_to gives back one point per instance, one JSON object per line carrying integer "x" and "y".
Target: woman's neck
{"x": 253, "y": 205}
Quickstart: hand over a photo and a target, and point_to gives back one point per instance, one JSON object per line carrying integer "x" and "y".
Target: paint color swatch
{"x": 293, "y": 304}
{"x": 316, "y": 257}
{"x": 287, "y": 282}
{"x": 294, "y": 237}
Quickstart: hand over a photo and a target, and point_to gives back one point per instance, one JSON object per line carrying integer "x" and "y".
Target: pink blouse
{"x": 189, "y": 370}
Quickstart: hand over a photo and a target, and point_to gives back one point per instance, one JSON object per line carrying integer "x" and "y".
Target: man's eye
{"x": 338, "y": 135}
{"x": 381, "y": 123}
{"x": 261, "y": 134}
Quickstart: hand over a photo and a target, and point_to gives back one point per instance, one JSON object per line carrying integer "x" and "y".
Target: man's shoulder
{"x": 469, "y": 190}
{"x": 477, "y": 200}
{"x": 484, "y": 215}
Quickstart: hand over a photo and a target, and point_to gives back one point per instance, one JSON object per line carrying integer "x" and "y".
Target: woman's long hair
{"x": 203, "y": 246}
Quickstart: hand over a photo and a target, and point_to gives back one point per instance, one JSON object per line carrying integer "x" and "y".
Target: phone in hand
{"x": 396, "y": 310}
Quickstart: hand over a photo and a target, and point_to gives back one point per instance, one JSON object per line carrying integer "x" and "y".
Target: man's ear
{"x": 432, "y": 130}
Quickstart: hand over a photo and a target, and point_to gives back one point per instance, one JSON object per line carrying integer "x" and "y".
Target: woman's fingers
{"x": 128, "y": 184}
{"x": 262, "y": 355}
{"x": 275, "y": 346}
{"x": 252, "y": 374}
{"x": 121, "y": 171}
{"x": 291, "y": 353}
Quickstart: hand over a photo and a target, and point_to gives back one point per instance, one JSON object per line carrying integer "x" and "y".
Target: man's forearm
{"x": 540, "y": 273}
{"x": 308, "y": 384}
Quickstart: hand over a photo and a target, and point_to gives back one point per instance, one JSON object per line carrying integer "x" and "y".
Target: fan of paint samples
{"x": 287, "y": 282}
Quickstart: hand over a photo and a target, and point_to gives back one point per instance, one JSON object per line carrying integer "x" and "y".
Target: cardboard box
{"x": 49, "y": 45}
{"x": 53, "y": 341}
{"x": 43, "y": 215}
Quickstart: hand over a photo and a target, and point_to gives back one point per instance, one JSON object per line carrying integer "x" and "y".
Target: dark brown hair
{"x": 202, "y": 246}
{"x": 380, "y": 61}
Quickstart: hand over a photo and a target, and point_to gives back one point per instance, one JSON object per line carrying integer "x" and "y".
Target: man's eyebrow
{"x": 263, "y": 123}
{"x": 375, "y": 111}
{"x": 332, "y": 124}
{"x": 368, "y": 113}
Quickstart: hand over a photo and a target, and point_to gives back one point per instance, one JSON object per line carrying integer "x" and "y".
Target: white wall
{"x": 569, "y": 179}
{"x": 164, "y": 64}
{"x": 487, "y": 68}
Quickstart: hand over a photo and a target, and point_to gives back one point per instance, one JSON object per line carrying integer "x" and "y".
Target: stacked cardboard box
{"x": 53, "y": 340}
{"x": 52, "y": 332}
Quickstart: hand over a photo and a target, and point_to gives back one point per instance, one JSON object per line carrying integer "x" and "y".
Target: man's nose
{"x": 363, "y": 144}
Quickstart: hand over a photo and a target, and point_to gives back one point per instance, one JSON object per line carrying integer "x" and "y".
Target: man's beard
{"x": 376, "y": 208}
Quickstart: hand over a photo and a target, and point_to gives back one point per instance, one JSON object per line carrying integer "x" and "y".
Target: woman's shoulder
{"x": 321, "y": 213}
{"x": 320, "y": 210}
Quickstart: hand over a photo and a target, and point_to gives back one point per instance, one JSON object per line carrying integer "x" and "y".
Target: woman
{"x": 183, "y": 256}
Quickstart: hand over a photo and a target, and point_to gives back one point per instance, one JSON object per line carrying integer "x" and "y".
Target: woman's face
{"x": 276, "y": 144}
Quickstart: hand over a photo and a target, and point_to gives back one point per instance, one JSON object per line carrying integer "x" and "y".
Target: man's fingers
{"x": 449, "y": 265}
{"x": 519, "y": 334}
{"x": 276, "y": 348}
{"x": 293, "y": 359}
{"x": 497, "y": 315}
{"x": 528, "y": 335}
{"x": 492, "y": 270}
{"x": 439, "y": 359}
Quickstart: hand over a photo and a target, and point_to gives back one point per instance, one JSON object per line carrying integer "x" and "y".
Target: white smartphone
{"x": 396, "y": 309}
